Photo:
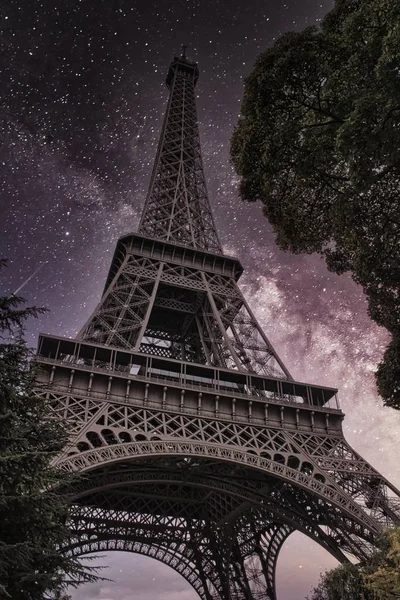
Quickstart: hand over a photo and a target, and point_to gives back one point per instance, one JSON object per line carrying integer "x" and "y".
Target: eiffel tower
{"x": 198, "y": 447}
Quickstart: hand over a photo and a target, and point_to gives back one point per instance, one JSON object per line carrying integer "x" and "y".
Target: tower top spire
{"x": 181, "y": 65}
{"x": 177, "y": 207}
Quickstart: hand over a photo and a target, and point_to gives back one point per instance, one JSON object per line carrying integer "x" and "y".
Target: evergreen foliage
{"x": 318, "y": 144}
{"x": 33, "y": 516}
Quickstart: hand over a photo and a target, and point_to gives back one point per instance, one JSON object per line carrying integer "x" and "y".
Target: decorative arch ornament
{"x": 256, "y": 517}
{"x": 327, "y": 489}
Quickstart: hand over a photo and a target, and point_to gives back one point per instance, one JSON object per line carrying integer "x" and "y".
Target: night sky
{"x": 82, "y": 99}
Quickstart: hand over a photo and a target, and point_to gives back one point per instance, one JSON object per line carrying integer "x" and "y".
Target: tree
{"x": 317, "y": 143}
{"x": 388, "y": 374}
{"x": 343, "y": 583}
{"x": 376, "y": 578}
{"x": 384, "y": 579}
{"x": 33, "y": 515}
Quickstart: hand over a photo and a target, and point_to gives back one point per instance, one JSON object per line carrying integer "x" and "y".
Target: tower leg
{"x": 271, "y": 542}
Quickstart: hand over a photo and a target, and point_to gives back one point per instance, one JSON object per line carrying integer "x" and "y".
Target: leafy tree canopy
{"x": 377, "y": 578}
{"x": 383, "y": 579}
{"x": 343, "y": 583}
{"x": 318, "y": 144}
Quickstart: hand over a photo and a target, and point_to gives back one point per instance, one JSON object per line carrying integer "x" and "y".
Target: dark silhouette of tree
{"x": 318, "y": 144}
{"x": 33, "y": 515}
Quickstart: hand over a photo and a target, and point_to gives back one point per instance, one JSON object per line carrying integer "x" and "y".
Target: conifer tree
{"x": 33, "y": 513}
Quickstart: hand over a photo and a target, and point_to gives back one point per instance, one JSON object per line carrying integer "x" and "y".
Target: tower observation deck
{"x": 198, "y": 447}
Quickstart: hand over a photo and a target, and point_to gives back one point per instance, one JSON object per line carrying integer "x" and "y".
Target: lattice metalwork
{"x": 197, "y": 447}
{"x": 177, "y": 207}
{"x": 177, "y": 311}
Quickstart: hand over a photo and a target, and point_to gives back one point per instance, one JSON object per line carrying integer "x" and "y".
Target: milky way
{"x": 82, "y": 98}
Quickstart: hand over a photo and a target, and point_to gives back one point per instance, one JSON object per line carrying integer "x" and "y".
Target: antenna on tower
{"x": 184, "y": 48}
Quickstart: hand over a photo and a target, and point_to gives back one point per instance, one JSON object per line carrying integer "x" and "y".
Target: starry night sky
{"x": 82, "y": 99}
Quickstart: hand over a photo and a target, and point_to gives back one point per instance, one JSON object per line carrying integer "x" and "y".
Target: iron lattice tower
{"x": 199, "y": 448}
